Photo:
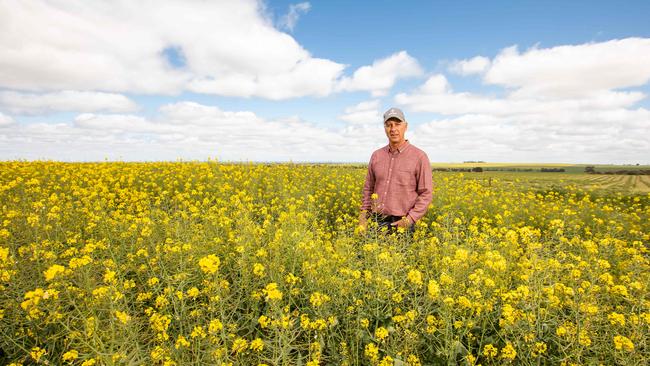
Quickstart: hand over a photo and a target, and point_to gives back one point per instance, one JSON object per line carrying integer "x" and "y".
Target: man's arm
{"x": 424, "y": 190}
{"x": 368, "y": 187}
{"x": 366, "y": 201}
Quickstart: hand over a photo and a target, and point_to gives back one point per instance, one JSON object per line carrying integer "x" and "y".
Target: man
{"x": 398, "y": 187}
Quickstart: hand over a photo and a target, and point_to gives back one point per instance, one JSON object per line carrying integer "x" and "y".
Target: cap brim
{"x": 393, "y": 117}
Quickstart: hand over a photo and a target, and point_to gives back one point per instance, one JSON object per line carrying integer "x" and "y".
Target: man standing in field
{"x": 398, "y": 187}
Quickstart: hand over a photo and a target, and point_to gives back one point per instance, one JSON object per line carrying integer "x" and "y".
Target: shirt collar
{"x": 399, "y": 149}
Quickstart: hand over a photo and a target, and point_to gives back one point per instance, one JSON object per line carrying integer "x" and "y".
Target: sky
{"x": 498, "y": 81}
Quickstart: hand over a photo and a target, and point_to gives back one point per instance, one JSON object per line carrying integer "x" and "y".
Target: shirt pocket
{"x": 406, "y": 173}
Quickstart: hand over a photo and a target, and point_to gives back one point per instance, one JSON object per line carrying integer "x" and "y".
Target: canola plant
{"x": 264, "y": 264}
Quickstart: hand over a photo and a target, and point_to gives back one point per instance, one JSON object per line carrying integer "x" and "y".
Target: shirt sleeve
{"x": 368, "y": 187}
{"x": 424, "y": 189}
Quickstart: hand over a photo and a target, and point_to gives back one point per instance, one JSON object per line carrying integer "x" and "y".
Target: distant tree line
{"x": 477, "y": 169}
{"x": 590, "y": 169}
{"x": 510, "y": 169}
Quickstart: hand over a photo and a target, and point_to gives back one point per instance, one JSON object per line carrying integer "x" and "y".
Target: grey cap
{"x": 394, "y": 113}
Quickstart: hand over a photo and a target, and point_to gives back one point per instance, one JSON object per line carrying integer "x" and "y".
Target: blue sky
{"x": 436, "y": 30}
{"x": 553, "y": 81}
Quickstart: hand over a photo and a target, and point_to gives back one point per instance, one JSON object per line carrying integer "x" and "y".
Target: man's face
{"x": 395, "y": 130}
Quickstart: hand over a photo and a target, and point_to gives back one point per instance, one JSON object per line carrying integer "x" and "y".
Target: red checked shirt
{"x": 402, "y": 181}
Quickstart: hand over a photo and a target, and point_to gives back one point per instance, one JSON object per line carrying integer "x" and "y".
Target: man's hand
{"x": 363, "y": 221}
{"x": 405, "y": 222}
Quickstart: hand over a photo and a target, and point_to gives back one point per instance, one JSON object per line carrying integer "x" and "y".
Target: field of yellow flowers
{"x": 252, "y": 264}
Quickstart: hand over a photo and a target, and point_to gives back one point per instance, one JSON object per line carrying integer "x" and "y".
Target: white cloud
{"x": 436, "y": 95}
{"x": 475, "y": 65}
{"x": 5, "y": 120}
{"x": 565, "y": 103}
{"x": 308, "y": 77}
{"x": 572, "y": 71}
{"x": 379, "y": 77}
{"x": 228, "y": 48}
{"x": 615, "y": 137}
{"x": 182, "y": 113}
{"x": 566, "y": 79}
{"x": 363, "y": 113}
{"x": 119, "y": 123}
{"x": 289, "y": 21}
{"x": 67, "y": 100}
{"x": 188, "y": 130}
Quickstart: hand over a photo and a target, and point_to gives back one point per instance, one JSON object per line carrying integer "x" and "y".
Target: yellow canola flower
{"x": 240, "y": 345}
{"x": 75, "y": 263}
{"x": 198, "y": 332}
{"x": 381, "y": 333}
{"x": 371, "y": 351}
{"x": 291, "y": 279}
{"x": 34, "y": 298}
{"x": 508, "y": 352}
{"x": 70, "y": 356}
{"x": 157, "y": 353}
{"x": 37, "y": 353}
{"x": 100, "y": 292}
{"x": 90, "y": 362}
{"x": 616, "y": 319}
{"x": 193, "y": 292}
{"x": 259, "y": 270}
{"x": 623, "y": 343}
{"x": 415, "y": 277}
{"x": 4, "y": 254}
{"x": 215, "y": 326}
{"x": 181, "y": 342}
{"x": 52, "y": 272}
{"x": 387, "y": 361}
{"x": 490, "y": 351}
{"x": 122, "y": 316}
{"x": 539, "y": 348}
{"x": 364, "y": 323}
{"x": 446, "y": 279}
{"x": 413, "y": 360}
{"x": 109, "y": 276}
{"x": 584, "y": 339}
{"x": 619, "y": 290}
{"x": 317, "y": 299}
{"x": 272, "y": 293}
{"x": 264, "y": 321}
{"x": 433, "y": 289}
{"x": 257, "y": 345}
{"x": 159, "y": 323}
{"x": 209, "y": 264}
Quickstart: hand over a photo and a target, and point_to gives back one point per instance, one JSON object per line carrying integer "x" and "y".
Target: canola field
{"x": 251, "y": 264}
